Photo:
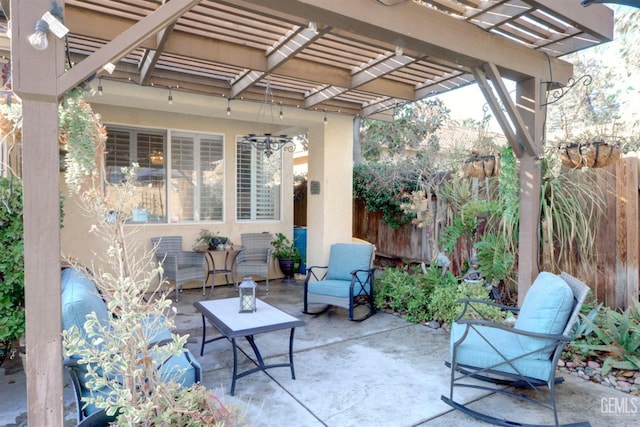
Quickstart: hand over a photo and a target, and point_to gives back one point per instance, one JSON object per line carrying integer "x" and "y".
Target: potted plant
{"x": 204, "y": 240}
{"x": 593, "y": 154}
{"x": 287, "y": 255}
{"x": 482, "y": 163}
{"x": 209, "y": 240}
{"x": 219, "y": 242}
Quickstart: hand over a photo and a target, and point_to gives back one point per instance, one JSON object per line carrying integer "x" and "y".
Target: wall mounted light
{"x": 281, "y": 113}
{"x": 170, "y": 97}
{"x": 100, "y": 92}
{"x": 228, "y": 107}
{"x": 324, "y": 121}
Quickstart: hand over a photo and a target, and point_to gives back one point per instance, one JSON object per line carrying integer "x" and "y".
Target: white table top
{"x": 225, "y": 315}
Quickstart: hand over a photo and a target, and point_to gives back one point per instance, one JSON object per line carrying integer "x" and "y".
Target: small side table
{"x": 225, "y": 267}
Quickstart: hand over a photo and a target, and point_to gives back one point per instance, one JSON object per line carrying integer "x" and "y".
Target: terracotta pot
{"x": 596, "y": 154}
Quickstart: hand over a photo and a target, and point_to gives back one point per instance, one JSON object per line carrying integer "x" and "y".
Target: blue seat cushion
{"x": 336, "y": 288}
{"x": 345, "y": 258}
{"x": 545, "y": 310}
{"x": 475, "y": 351}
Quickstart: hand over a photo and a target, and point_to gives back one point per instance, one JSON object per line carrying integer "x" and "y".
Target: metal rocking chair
{"x": 347, "y": 281}
{"x": 524, "y": 356}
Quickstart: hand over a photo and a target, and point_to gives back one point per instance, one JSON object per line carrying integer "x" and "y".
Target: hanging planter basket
{"x": 596, "y": 154}
{"x": 481, "y": 166}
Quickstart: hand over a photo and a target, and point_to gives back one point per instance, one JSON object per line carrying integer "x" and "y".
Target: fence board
{"x": 630, "y": 194}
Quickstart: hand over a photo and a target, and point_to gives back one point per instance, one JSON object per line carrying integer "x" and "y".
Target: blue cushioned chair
{"x": 524, "y": 356}
{"x": 346, "y": 282}
{"x": 80, "y": 297}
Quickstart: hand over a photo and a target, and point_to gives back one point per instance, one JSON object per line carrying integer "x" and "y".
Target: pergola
{"x": 360, "y": 58}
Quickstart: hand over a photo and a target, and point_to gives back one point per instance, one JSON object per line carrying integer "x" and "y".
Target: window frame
{"x": 278, "y": 205}
{"x": 168, "y": 134}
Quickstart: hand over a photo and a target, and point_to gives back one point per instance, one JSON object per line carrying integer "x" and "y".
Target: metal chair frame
{"x": 505, "y": 381}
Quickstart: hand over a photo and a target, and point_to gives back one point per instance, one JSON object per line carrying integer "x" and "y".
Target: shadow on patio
{"x": 383, "y": 371}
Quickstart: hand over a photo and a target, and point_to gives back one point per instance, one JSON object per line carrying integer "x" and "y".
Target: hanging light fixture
{"x": 267, "y": 142}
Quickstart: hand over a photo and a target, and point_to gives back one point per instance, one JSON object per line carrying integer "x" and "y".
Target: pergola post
{"x": 528, "y": 103}
{"x": 34, "y": 75}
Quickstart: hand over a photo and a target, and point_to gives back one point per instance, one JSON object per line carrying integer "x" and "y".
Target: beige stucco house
{"x": 330, "y": 59}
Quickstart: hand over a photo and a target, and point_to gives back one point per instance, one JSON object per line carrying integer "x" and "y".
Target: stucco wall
{"x": 78, "y": 243}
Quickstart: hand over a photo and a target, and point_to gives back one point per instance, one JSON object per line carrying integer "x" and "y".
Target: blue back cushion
{"x": 547, "y": 305}
{"x": 79, "y": 298}
{"x": 546, "y": 310}
{"x": 346, "y": 257}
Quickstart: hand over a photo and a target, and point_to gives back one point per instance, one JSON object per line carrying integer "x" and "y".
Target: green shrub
{"x": 12, "y": 320}
{"x": 403, "y": 292}
{"x": 443, "y": 304}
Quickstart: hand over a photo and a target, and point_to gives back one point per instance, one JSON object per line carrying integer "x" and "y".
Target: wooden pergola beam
{"x": 416, "y": 28}
{"x": 496, "y": 109}
{"x": 125, "y": 42}
{"x": 524, "y": 137}
{"x": 149, "y": 61}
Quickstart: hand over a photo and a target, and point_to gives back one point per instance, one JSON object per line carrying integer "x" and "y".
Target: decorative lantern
{"x": 247, "y": 291}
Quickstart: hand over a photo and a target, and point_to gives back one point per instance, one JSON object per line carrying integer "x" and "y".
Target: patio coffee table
{"x": 224, "y": 315}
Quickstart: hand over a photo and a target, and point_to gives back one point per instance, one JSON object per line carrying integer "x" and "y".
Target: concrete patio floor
{"x": 383, "y": 371}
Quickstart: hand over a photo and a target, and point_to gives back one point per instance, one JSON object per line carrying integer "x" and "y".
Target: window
{"x": 197, "y": 173}
{"x": 258, "y": 184}
{"x": 147, "y": 148}
{"x": 197, "y": 177}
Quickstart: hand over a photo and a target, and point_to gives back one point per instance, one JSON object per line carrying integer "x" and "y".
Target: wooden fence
{"x": 615, "y": 277}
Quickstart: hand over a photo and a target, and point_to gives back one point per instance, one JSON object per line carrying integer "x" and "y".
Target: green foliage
{"x": 494, "y": 260}
{"x": 81, "y": 131}
{"x": 507, "y": 213}
{"x": 583, "y": 326}
{"x": 467, "y": 218}
{"x": 207, "y": 237}
{"x": 12, "y": 305}
{"x": 615, "y": 338}
{"x": 403, "y": 292}
{"x": 284, "y": 248}
{"x": 572, "y": 202}
{"x": 444, "y": 305}
{"x": 413, "y": 127}
{"x": 381, "y": 186}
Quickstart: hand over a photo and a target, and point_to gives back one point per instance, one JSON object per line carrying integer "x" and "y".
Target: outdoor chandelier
{"x": 267, "y": 142}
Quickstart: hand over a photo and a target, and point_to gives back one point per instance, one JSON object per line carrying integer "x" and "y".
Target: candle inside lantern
{"x": 247, "y": 298}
